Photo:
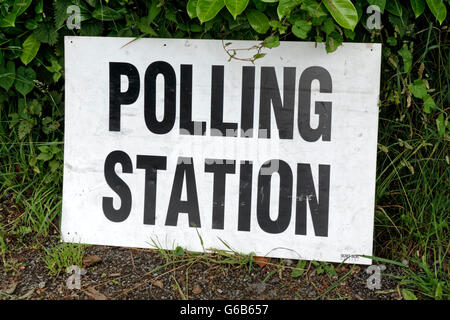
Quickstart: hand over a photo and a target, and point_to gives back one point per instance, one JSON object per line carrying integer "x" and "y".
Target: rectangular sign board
{"x": 169, "y": 142}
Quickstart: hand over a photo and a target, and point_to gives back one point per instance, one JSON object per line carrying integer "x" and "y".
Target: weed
{"x": 427, "y": 281}
{"x": 299, "y": 269}
{"x": 3, "y": 245}
{"x": 63, "y": 255}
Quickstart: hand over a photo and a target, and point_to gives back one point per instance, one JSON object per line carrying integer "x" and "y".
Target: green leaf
{"x": 44, "y": 149}
{"x": 319, "y": 267}
{"x": 428, "y": 103}
{"x": 24, "y": 128}
{"x": 258, "y": 56}
{"x": 399, "y": 24}
{"x": 418, "y": 7}
{"x": 328, "y": 26}
{"x": 7, "y": 75}
{"x": 440, "y": 123}
{"x": 145, "y": 27}
{"x": 179, "y": 251}
{"x": 35, "y": 107}
{"x": 60, "y": 14}
{"x": 21, "y": 6}
{"x": 259, "y": 5}
{"x": 380, "y": 3}
{"x": 8, "y": 21}
{"x": 236, "y": 7}
{"x": 171, "y": 15}
{"x": 271, "y": 42}
{"x": 349, "y": 34}
{"x": 329, "y": 268}
{"x": 39, "y": 8}
{"x": 418, "y": 88}
{"x": 344, "y": 12}
{"x": 313, "y": 8}
{"x": 277, "y": 25}
{"x": 49, "y": 125}
{"x": 91, "y": 29}
{"x": 407, "y": 57}
{"x": 258, "y": 21}
{"x": 208, "y": 9}
{"x": 54, "y": 165}
{"x": 392, "y": 41}
{"x": 45, "y": 156}
{"x": 394, "y": 7}
{"x": 30, "y": 47}
{"x": 333, "y": 41}
{"x": 301, "y": 28}
{"x": 31, "y": 24}
{"x": 408, "y": 295}
{"x": 191, "y": 8}
{"x": 24, "y": 82}
{"x": 285, "y": 7}
{"x": 299, "y": 269}
{"x": 46, "y": 33}
{"x": 18, "y": 8}
{"x": 438, "y": 9}
{"x": 153, "y": 11}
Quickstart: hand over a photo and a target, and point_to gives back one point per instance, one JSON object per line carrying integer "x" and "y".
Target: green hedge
{"x": 31, "y": 34}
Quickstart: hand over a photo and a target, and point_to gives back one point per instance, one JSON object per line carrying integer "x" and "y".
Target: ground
{"x": 128, "y": 273}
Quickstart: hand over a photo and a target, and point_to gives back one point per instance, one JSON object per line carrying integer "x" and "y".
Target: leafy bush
{"x": 31, "y": 37}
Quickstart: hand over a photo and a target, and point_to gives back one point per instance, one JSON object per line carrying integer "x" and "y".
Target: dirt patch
{"x": 126, "y": 273}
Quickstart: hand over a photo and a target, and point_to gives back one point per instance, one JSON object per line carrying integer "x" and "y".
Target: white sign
{"x": 168, "y": 142}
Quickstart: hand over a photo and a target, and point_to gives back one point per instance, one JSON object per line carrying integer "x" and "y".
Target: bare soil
{"x": 127, "y": 273}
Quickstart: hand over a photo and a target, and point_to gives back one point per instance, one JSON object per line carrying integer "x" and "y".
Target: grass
{"x": 412, "y": 209}
{"x": 430, "y": 281}
{"x": 3, "y": 246}
{"x": 58, "y": 258}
